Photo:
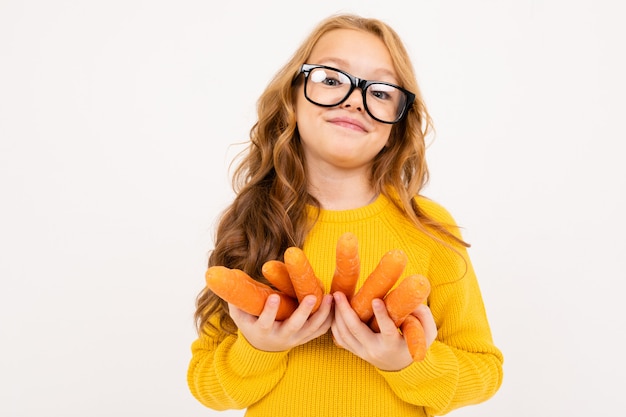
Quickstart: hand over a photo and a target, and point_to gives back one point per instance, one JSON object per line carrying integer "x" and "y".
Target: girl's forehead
{"x": 361, "y": 53}
{"x": 349, "y": 39}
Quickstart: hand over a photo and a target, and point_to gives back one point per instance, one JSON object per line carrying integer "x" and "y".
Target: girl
{"x": 339, "y": 147}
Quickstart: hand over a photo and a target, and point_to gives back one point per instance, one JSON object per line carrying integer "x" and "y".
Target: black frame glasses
{"x": 356, "y": 82}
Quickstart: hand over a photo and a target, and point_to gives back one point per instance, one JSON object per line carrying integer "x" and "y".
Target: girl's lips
{"x": 348, "y": 123}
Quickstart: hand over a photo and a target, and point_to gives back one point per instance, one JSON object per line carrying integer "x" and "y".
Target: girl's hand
{"x": 267, "y": 334}
{"x": 386, "y": 350}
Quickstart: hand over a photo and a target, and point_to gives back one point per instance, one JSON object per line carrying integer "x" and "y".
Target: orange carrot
{"x": 302, "y": 276}
{"x": 378, "y": 283}
{"x": 348, "y": 266}
{"x": 277, "y": 274}
{"x": 402, "y": 300}
{"x": 238, "y": 288}
{"x": 413, "y": 333}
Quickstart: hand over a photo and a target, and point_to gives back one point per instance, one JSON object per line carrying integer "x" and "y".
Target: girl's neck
{"x": 342, "y": 192}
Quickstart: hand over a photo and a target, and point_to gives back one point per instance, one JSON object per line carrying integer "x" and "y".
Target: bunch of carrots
{"x": 294, "y": 279}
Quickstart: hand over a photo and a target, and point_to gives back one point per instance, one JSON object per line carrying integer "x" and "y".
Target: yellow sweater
{"x": 462, "y": 366}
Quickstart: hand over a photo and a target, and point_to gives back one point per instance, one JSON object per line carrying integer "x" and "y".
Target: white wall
{"x": 117, "y": 124}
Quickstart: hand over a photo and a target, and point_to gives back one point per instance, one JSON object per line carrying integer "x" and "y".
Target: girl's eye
{"x": 380, "y": 95}
{"x": 331, "y": 82}
{"x": 328, "y": 78}
{"x": 382, "y": 91}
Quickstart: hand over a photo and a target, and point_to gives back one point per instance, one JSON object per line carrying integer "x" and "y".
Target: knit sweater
{"x": 462, "y": 366}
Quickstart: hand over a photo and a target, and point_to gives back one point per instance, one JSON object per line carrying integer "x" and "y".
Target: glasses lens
{"x": 385, "y": 102}
{"x": 327, "y": 87}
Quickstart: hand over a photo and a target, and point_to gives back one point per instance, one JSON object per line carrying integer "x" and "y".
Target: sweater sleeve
{"x": 463, "y": 366}
{"x": 231, "y": 373}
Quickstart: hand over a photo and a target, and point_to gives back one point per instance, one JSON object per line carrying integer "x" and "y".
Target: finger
{"x": 425, "y": 316}
{"x": 337, "y": 337}
{"x": 240, "y": 317}
{"x": 352, "y": 329}
{"x": 268, "y": 315}
{"x": 235, "y": 312}
{"x": 300, "y": 316}
{"x": 338, "y": 327}
{"x": 322, "y": 316}
{"x": 345, "y": 338}
{"x": 320, "y": 322}
{"x": 339, "y": 330}
{"x": 386, "y": 325}
{"x": 343, "y": 307}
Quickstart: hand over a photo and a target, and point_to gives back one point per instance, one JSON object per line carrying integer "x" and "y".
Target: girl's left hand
{"x": 386, "y": 350}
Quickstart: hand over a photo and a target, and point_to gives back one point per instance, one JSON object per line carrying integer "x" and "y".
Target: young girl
{"x": 339, "y": 147}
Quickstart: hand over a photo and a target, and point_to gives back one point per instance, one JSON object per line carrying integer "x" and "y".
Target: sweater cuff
{"x": 439, "y": 369}
{"x": 246, "y": 360}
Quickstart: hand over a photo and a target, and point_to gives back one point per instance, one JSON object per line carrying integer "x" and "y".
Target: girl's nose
{"x": 354, "y": 100}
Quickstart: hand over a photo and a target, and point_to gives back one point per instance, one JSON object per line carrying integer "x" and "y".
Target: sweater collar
{"x": 341, "y": 216}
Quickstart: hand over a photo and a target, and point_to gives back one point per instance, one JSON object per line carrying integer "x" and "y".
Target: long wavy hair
{"x": 269, "y": 212}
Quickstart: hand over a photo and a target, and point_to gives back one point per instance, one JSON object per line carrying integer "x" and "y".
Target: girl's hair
{"x": 269, "y": 212}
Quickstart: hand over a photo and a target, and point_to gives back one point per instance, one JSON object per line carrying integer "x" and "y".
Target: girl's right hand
{"x": 267, "y": 334}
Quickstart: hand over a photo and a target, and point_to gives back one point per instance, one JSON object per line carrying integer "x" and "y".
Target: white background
{"x": 118, "y": 120}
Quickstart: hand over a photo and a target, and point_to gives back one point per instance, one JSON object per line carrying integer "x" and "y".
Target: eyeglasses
{"x": 329, "y": 87}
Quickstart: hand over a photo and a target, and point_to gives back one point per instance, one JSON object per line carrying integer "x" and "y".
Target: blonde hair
{"x": 269, "y": 213}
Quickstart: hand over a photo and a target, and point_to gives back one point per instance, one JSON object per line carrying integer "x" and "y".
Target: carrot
{"x": 277, "y": 274}
{"x": 402, "y": 300}
{"x": 238, "y": 288}
{"x": 302, "y": 276}
{"x": 348, "y": 266}
{"x": 413, "y": 333}
{"x": 378, "y": 283}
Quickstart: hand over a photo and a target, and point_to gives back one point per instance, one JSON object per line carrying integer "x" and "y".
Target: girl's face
{"x": 345, "y": 136}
